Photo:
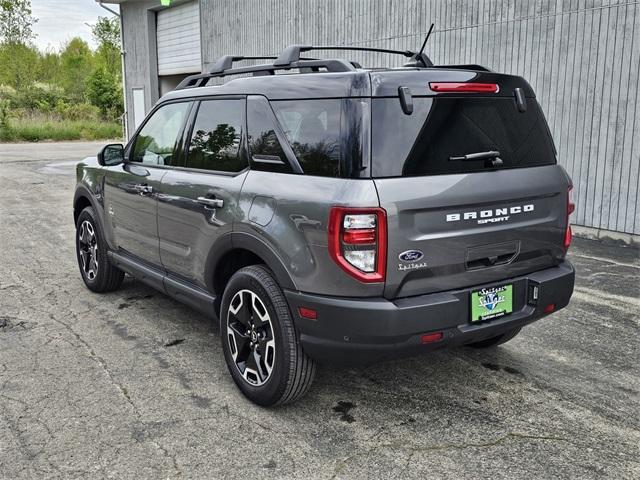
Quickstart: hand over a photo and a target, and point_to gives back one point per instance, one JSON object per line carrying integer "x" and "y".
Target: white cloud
{"x": 61, "y": 20}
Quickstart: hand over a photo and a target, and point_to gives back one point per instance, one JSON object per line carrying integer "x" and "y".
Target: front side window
{"x": 217, "y": 136}
{"x": 156, "y": 141}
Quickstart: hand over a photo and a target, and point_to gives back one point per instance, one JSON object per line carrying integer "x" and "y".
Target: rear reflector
{"x": 456, "y": 87}
{"x": 432, "y": 337}
{"x": 550, "y": 308}
{"x": 308, "y": 313}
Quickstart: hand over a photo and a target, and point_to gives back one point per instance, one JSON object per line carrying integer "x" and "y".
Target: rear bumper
{"x": 355, "y": 331}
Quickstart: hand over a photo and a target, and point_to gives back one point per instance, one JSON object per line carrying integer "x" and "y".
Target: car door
{"x": 130, "y": 189}
{"x": 199, "y": 203}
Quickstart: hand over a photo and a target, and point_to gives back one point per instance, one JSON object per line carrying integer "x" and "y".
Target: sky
{"x": 61, "y": 20}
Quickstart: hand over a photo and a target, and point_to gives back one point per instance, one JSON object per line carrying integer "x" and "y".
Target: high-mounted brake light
{"x": 358, "y": 242}
{"x": 570, "y": 209}
{"x": 466, "y": 87}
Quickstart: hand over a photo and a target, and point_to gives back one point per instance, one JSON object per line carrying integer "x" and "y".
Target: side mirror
{"x": 112, "y": 154}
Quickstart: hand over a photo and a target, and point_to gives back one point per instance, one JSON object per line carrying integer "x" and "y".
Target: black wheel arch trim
{"x": 242, "y": 240}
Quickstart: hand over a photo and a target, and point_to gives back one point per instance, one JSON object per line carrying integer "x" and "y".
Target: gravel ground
{"x": 133, "y": 385}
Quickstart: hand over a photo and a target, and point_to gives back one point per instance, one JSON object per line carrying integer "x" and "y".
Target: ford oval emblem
{"x": 411, "y": 256}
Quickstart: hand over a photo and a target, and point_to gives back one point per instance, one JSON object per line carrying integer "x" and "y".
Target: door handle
{"x": 143, "y": 189}
{"x": 211, "y": 202}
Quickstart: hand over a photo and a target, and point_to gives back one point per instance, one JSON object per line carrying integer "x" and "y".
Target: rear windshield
{"x": 440, "y": 128}
{"x": 325, "y": 135}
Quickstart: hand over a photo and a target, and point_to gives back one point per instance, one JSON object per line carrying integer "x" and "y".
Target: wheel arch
{"x": 237, "y": 250}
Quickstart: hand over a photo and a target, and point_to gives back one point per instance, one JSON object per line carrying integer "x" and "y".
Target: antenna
{"x": 426, "y": 39}
{"x": 420, "y": 59}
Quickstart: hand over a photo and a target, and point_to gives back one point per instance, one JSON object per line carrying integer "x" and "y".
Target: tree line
{"x": 71, "y": 83}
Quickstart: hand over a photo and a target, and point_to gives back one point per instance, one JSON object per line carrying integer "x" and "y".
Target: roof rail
{"x": 290, "y": 58}
{"x": 292, "y": 53}
{"x": 219, "y": 70}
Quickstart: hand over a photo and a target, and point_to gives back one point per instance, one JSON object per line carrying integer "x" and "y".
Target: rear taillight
{"x": 358, "y": 242}
{"x": 570, "y": 208}
{"x": 458, "y": 87}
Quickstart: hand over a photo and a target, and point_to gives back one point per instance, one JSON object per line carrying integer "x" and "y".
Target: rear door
{"x": 457, "y": 223}
{"x": 198, "y": 202}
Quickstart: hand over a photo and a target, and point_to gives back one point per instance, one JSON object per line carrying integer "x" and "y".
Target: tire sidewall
{"x": 271, "y": 391}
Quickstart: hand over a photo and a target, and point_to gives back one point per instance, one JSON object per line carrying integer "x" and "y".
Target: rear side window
{"x": 324, "y": 134}
{"x": 263, "y": 140}
{"x": 217, "y": 136}
{"x": 441, "y": 128}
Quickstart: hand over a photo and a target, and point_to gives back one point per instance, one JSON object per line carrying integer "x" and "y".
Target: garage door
{"x": 178, "y": 39}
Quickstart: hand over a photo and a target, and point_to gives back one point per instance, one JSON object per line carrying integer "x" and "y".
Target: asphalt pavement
{"x": 132, "y": 384}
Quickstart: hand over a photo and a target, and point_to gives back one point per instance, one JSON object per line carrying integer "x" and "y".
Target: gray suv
{"x": 325, "y": 212}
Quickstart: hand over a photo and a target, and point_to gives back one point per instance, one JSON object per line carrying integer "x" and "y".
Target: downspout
{"x": 124, "y": 80}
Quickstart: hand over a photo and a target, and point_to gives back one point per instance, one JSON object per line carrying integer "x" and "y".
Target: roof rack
{"x": 292, "y": 53}
{"x": 289, "y": 59}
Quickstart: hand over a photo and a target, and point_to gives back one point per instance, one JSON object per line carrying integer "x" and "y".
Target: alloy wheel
{"x": 88, "y": 249}
{"x": 250, "y": 337}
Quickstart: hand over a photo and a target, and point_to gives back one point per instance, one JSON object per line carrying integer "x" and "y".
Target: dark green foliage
{"x": 104, "y": 91}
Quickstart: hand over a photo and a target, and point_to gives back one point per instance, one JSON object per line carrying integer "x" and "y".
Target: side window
{"x": 156, "y": 142}
{"x": 313, "y": 129}
{"x": 263, "y": 141}
{"x": 217, "y": 137}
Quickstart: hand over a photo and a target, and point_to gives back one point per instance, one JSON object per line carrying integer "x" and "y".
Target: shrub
{"x": 104, "y": 91}
{"x": 80, "y": 111}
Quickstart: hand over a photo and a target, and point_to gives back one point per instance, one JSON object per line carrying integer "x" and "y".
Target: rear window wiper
{"x": 492, "y": 155}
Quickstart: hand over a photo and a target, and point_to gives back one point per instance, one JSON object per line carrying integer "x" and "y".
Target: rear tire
{"x": 91, "y": 250}
{"x": 497, "y": 340}
{"x": 259, "y": 340}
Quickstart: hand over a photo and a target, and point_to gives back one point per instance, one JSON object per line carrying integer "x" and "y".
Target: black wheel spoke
{"x": 249, "y": 327}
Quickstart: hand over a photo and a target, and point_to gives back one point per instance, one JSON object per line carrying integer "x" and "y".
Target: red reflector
{"x": 309, "y": 313}
{"x": 359, "y": 236}
{"x": 431, "y": 337}
{"x": 550, "y": 308}
{"x": 445, "y": 87}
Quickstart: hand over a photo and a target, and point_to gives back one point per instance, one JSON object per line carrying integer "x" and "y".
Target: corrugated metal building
{"x": 582, "y": 57}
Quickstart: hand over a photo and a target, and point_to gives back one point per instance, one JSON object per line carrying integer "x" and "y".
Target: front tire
{"x": 91, "y": 250}
{"x": 259, "y": 340}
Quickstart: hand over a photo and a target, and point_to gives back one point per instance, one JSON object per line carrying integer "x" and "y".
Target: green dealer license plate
{"x": 490, "y": 303}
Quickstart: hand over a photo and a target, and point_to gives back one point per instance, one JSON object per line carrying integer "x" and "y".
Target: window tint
{"x": 263, "y": 140}
{"x": 155, "y": 144}
{"x": 217, "y": 136}
{"x": 423, "y": 142}
{"x": 313, "y": 130}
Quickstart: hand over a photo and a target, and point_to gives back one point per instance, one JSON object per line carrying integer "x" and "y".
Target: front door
{"x": 130, "y": 189}
{"x": 199, "y": 203}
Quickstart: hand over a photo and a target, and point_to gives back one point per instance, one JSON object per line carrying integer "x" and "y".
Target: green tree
{"x": 77, "y": 63}
{"x": 104, "y": 91}
{"x": 18, "y": 65}
{"x": 16, "y": 21}
{"x": 106, "y": 33}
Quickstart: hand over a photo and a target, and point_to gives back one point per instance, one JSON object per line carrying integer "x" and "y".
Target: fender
{"x": 254, "y": 244}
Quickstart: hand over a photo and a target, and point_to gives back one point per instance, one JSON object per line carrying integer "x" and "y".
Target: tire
{"x": 91, "y": 251}
{"x": 497, "y": 340}
{"x": 259, "y": 340}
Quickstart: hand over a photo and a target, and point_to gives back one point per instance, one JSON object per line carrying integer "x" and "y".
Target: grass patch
{"x": 37, "y": 129}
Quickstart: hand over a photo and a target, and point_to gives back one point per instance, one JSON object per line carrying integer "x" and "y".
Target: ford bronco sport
{"x": 325, "y": 212}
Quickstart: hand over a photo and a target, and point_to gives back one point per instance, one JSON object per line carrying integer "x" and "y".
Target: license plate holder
{"x": 490, "y": 303}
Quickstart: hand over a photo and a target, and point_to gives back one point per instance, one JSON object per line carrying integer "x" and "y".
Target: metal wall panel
{"x": 178, "y": 39}
{"x": 582, "y": 57}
